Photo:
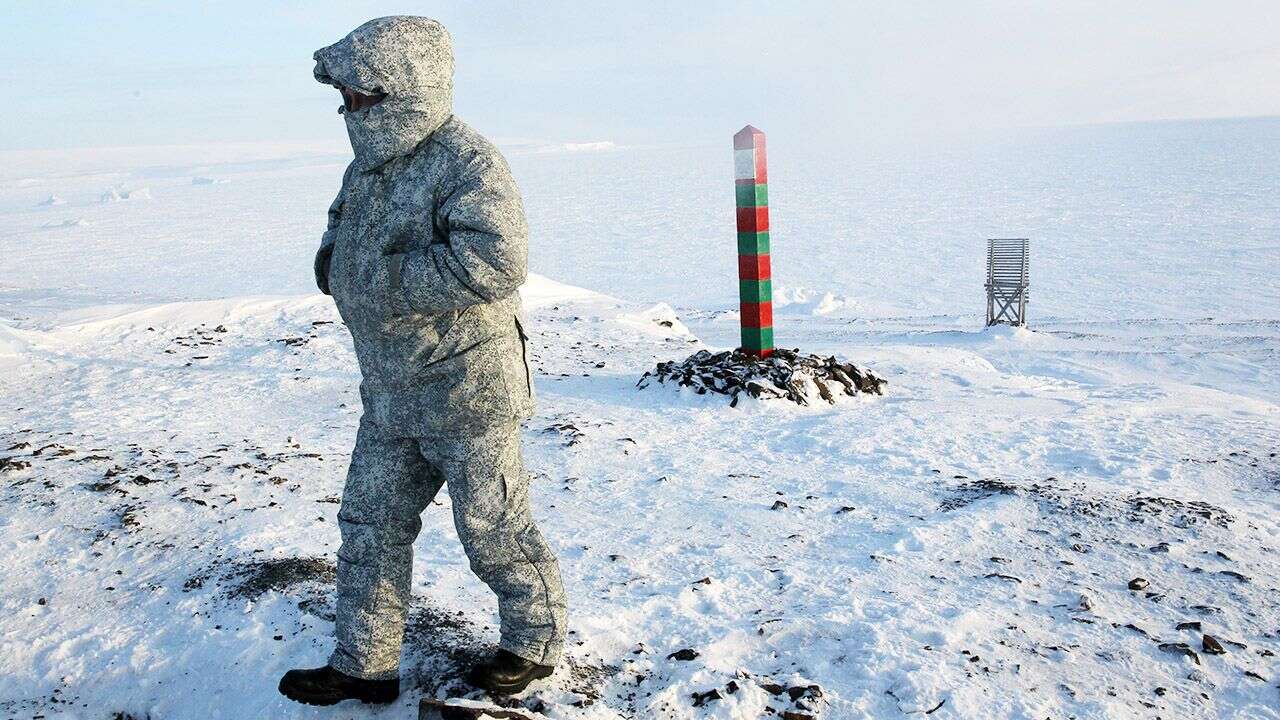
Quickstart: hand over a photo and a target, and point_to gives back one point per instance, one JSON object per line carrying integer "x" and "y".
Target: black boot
{"x": 507, "y": 673}
{"x": 326, "y": 686}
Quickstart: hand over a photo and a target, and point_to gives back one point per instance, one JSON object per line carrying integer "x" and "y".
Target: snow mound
{"x": 786, "y": 374}
{"x": 264, "y": 310}
{"x": 117, "y": 194}
{"x": 52, "y": 200}
{"x": 540, "y": 291}
{"x": 807, "y": 301}
{"x": 12, "y": 341}
{"x": 659, "y": 319}
{"x": 918, "y": 691}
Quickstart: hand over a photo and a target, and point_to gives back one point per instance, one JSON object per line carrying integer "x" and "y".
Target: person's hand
{"x": 323, "y": 255}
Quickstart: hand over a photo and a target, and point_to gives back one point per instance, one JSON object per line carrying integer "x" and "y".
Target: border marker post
{"x": 755, "y": 283}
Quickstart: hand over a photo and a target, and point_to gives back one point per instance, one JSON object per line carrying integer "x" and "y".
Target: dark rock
{"x": 11, "y": 463}
{"x": 778, "y": 505}
{"x": 1138, "y": 584}
{"x": 702, "y": 698}
{"x": 684, "y": 655}
{"x": 810, "y": 692}
{"x": 1135, "y": 628}
{"x": 1192, "y": 625}
{"x": 1183, "y": 513}
{"x": 1002, "y": 576}
{"x": 1180, "y": 649}
{"x": 1210, "y": 645}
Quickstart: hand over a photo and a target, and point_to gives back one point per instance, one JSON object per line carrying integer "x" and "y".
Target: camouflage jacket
{"x": 426, "y": 242}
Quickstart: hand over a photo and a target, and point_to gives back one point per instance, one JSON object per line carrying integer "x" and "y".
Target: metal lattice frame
{"x": 1008, "y": 276}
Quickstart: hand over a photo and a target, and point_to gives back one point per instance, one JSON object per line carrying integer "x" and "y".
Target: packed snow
{"x": 1074, "y": 520}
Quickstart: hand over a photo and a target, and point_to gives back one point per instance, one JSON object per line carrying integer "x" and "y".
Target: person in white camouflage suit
{"x": 425, "y": 248}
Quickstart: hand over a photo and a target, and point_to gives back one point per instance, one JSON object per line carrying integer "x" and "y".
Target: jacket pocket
{"x": 450, "y": 341}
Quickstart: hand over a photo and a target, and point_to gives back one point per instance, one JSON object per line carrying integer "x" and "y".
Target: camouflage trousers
{"x": 390, "y": 482}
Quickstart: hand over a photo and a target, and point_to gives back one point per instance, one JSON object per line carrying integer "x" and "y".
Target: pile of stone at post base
{"x": 783, "y": 375}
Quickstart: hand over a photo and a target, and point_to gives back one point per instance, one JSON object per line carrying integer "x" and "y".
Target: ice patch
{"x": 118, "y": 194}
{"x": 208, "y": 181}
{"x": 598, "y": 146}
{"x": 52, "y": 200}
{"x": 70, "y": 223}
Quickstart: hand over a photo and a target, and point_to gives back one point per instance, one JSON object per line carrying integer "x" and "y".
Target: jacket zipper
{"x": 524, "y": 356}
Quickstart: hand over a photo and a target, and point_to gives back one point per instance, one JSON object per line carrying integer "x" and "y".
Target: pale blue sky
{"x": 119, "y": 73}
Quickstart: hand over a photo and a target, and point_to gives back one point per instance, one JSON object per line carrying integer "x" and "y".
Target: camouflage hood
{"x": 410, "y": 60}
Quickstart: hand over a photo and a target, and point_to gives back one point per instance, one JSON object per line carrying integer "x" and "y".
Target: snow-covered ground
{"x": 177, "y": 405}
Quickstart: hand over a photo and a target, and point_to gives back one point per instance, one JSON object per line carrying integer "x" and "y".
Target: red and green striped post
{"x": 755, "y": 291}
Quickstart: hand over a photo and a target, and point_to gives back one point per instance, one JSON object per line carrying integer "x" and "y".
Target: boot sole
{"x": 511, "y": 689}
{"x": 372, "y": 698}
